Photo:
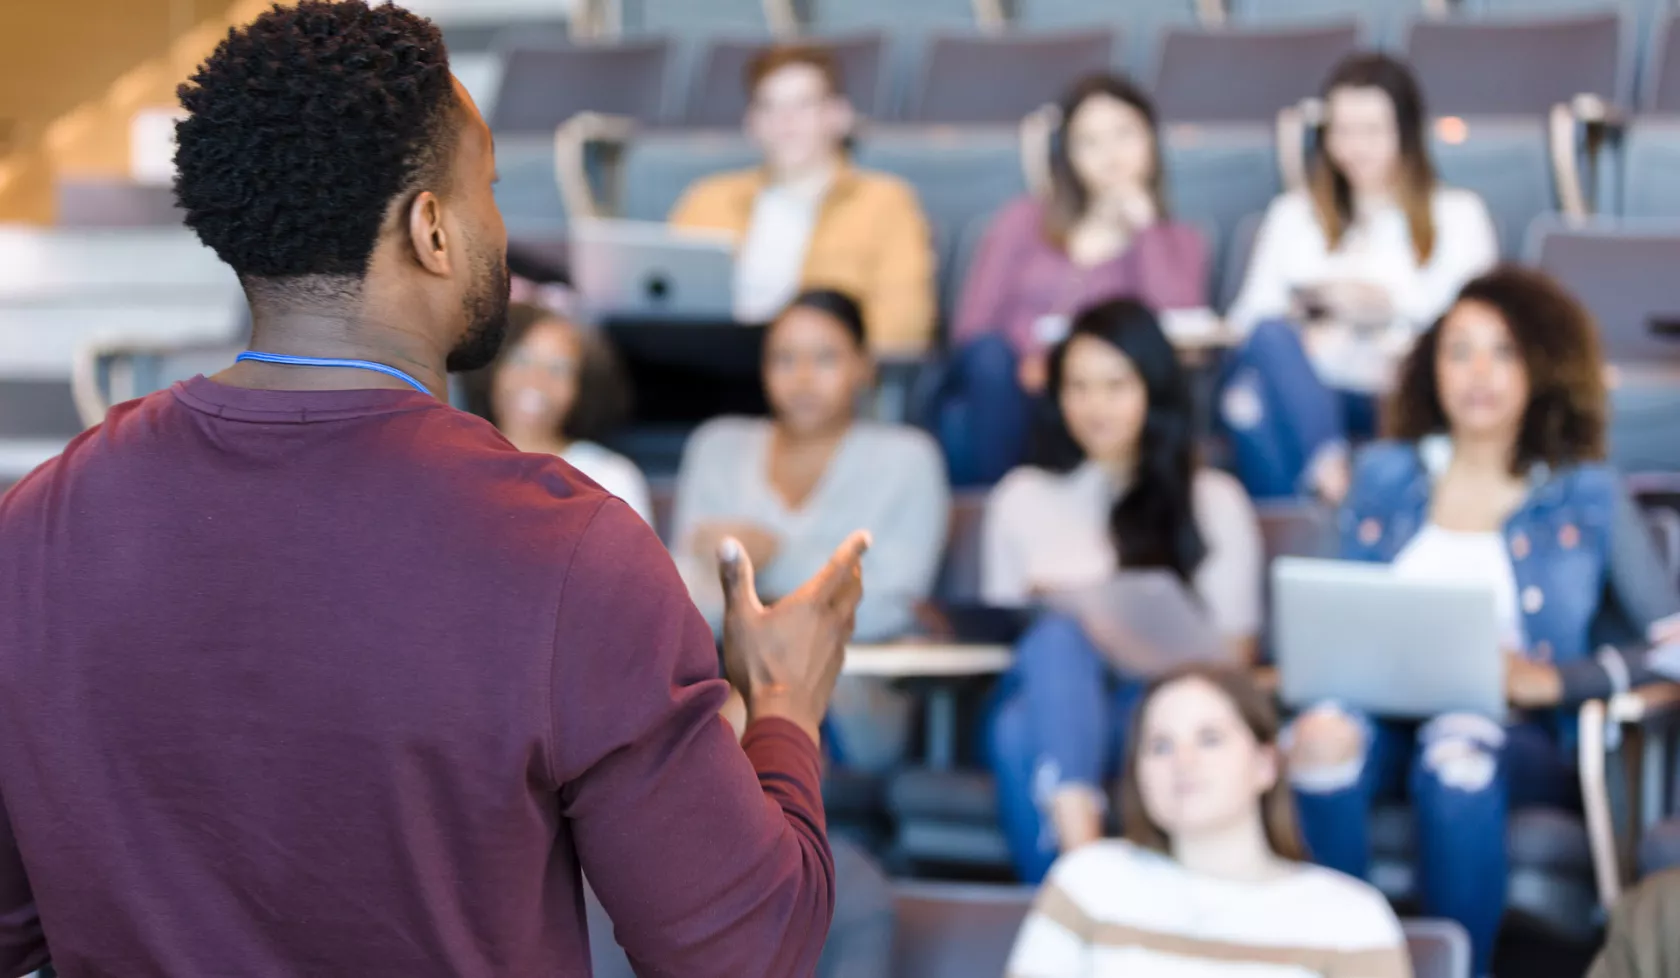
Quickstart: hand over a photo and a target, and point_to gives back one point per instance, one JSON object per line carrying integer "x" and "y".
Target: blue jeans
{"x": 1059, "y": 718}
{"x": 982, "y": 416}
{"x": 1462, "y": 775}
{"x": 1279, "y": 414}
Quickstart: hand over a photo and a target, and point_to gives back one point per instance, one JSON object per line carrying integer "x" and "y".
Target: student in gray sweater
{"x": 792, "y": 486}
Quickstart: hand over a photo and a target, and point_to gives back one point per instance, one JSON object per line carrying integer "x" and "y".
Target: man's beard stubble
{"x": 486, "y": 311}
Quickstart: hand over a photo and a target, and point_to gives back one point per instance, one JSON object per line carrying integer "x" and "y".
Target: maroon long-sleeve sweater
{"x": 338, "y": 683}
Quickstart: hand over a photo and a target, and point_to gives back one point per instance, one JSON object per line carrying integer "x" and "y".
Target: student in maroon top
{"x": 1102, "y": 232}
{"x": 303, "y": 672}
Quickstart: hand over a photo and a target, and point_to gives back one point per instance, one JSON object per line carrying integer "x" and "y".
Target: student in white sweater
{"x": 1344, "y": 275}
{"x": 554, "y": 390}
{"x": 791, "y": 487}
{"x": 1211, "y": 880}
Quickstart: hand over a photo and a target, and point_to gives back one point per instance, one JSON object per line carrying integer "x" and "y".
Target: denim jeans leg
{"x": 1277, "y": 411}
{"x": 1459, "y": 792}
{"x": 1335, "y": 811}
{"x": 984, "y": 415}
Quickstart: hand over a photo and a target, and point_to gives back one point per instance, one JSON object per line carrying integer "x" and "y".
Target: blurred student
{"x": 790, "y": 486}
{"x": 1102, "y": 233}
{"x": 1497, "y": 475}
{"x": 806, "y": 218}
{"x": 1211, "y": 879}
{"x": 1640, "y": 942}
{"x": 1117, "y": 487}
{"x": 1343, "y": 276}
{"x": 557, "y": 390}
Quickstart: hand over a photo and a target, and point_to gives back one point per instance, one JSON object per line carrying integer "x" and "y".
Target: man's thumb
{"x": 736, "y": 570}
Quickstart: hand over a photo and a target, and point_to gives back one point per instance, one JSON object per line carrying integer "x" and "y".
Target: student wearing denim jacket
{"x": 1498, "y": 477}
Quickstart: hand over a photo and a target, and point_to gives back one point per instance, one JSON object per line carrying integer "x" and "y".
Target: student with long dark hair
{"x": 1496, "y": 477}
{"x": 1344, "y": 275}
{"x": 1211, "y": 878}
{"x": 1117, "y": 486}
{"x": 1102, "y": 232}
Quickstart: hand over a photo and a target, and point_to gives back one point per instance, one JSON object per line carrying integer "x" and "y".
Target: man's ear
{"x": 426, "y": 233}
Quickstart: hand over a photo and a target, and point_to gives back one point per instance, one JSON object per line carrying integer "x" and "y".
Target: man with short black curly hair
{"x": 303, "y": 672}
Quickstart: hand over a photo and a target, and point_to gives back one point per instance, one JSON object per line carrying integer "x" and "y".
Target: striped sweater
{"x": 1112, "y": 909}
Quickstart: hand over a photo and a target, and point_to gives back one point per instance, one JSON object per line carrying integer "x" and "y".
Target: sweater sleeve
{"x": 899, "y": 304}
{"x": 902, "y": 563}
{"x": 1643, "y": 591}
{"x": 1265, "y": 289}
{"x": 1055, "y": 940}
{"x": 711, "y": 859}
{"x": 705, "y": 492}
{"x": 1465, "y": 246}
{"x": 1003, "y": 567}
{"x": 984, "y": 306}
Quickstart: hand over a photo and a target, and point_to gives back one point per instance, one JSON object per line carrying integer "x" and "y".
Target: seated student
{"x": 1497, "y": 476}
{"x": 1117, "y": 486}
{"x": 791, "y": 487}
{"x": 807, "y": 219}
{"x": 554, "y": 390}
{"x": 1102, "y": 233}
{"x": 1640, "y": 942}
{"x": 1211, "y": 879}
{"x": 1343, "y": 276}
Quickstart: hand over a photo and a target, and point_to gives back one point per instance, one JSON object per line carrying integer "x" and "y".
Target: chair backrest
{"x": 957, "y": 174}
{"x": 1245, "y": 76}
{"x": 1505, "y": 161}
{"x": 1515, "y": 67}
{"x": 959, "y": 575}
{"x": 1219, "y": 174}
{"x": 1238, "y": 250}
{"x": 1141, "y": 22}
{"x": 543, "y": 86}
{"x": 1650, "y": 158}
{"x": 1662, "y": 70}
{"x": 718, "y": 96}
{"x": 974, "y": 78}
{"x": 1628, "y": 280}
{"x": 1438, "y": 948}
{"x": 659, "y": 166}
{"x": 951, "y": 930}
{"x": 691, "y": 17}
{"x": 922, "y": 15}
{"x": 91, "y": 202}
{"x": 1378, "y": 18}
{"x": 527, "y": 191}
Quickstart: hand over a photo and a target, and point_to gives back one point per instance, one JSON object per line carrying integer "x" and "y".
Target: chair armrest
{"x": 1646, "y": 705}
{"x": 571, "y": 145}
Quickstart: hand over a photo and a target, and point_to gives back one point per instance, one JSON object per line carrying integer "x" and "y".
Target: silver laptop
{"x": 646, "y": 270}
{"x": 1361, "y": 635}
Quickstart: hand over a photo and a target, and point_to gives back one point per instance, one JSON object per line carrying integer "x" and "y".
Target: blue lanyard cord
{"x": 290, "y": 361}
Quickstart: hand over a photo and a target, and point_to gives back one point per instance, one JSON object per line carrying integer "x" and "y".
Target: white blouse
{"x": 614, "y": 473}
{"x": 1291, "y": 251}
{"x": 1049, "y": 531}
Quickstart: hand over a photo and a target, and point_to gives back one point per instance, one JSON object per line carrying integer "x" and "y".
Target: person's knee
{"x": 987, "y": 357}
{"x": 1271, "y": 338}
{"x": 1460, "y": 752}
{"x": 1325, "y": 749}
{"x": 1054, "y": 637}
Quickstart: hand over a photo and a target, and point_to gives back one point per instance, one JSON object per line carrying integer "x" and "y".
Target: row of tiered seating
{"x": 1466, "y": 68}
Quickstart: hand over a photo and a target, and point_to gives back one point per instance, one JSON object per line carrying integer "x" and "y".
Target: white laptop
{"x": 647, "y": 270}
{"x": 1361, "y": 635}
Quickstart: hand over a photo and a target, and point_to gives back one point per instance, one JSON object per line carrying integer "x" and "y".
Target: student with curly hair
{"x": 1496, "y": 475}
{"x": 304, "y": 672}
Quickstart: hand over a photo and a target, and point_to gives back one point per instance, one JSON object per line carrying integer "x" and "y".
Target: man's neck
{"x": 343, "y": 336}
